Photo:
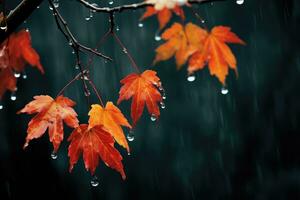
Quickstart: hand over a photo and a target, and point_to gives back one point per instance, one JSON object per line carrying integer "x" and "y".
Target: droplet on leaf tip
{"x": 162, "y": 105}
{"x": 130, "y": 136}
{"x": 54, "y": 155}
{"x": 224, "y": 90}
{"x": 153, "y": 118}
{"x": 94, "y": 181}
{"x": 191, "y": 77}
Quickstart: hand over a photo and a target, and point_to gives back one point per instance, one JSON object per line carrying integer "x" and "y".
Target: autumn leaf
{"x": 163, "y": 9}
{"x": 181, "y": 42}
{"x": 111, "y": 119}
{"x": 93, "y": 143}
{"x": 7, "y": 81}
{"x": 142, "y": 88}
{"x": 216, "y": 53}
{"x": 51, "y": 113}
{"x": 15, "y": 53}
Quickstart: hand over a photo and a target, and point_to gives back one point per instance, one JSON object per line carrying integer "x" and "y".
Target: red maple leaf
{"x": 94, "y": 143}
{"x": 15, "y": 53}
{"x": 51, "y": 113}
{"x": 142, "y": 88}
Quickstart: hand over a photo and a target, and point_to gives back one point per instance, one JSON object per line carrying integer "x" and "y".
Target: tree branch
{"x": 18, "y": 16}
{"x": 134, "y": 6}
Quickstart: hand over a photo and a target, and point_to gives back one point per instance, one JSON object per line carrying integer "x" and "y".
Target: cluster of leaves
{"x": 15, "y": 53}
{"x": 192, "y": 43}
{"x": 97, "y": 138}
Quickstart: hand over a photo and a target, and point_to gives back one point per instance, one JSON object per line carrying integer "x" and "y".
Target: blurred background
{"x": 206, "y": 145}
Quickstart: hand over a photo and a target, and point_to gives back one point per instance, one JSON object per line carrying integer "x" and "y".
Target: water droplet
{"x": 3, "y": 25}
{"x": 1, "y": 106}
{"x": 157, "y": 36}
{"x": 13, "y": 96}
{"x": 94, "y": 181}
{"x": 70, "y": 42}
{"x": 95, "y": 5}
{"x": 130, "y": 136}
{"x": 162, "y": 105}
{"x": 91, "y": 13}
{"x": 153, "y": 118}
{"x": 73, "y": 51}
{"x": 224, "y": 90}
{"x": 239, "y": 2}
{"x": 76, "y": 66}
{"x": 117, "y": 28}
{"x": 191, "y": 77}
{"x": 141, "y": 25}
{"x": 38, "y": 7}
{"x": 125, "y": 50}
{"x": 56, "y": 3}
{"x": 17, "y": 74}
{"x": 54, "y": 155}
{"x": 24, "y": 75}
{"x": 164, "y": 96}
{"x": 87, "y": 18}
{"x": 202, "y": 21}
{"x": 27, "y": 29}
{"x": 87, "y": 93}
{"x": 111, "y": 2}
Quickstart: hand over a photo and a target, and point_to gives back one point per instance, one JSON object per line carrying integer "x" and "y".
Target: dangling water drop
{"x": 73, "y": 51}
{"x": 17, "y": 74}
{"x": 95, "y": 5}
{"x": 3, "y": 25}
{"x": 56, "y": 3}
{"x": 1, "y": 106}
{"x": 141, "y": 25}
{"x": 117, "y": 28}
{"x": 70, "y": 42}
{"x": 125, "y": 50}
{"x": 162, "y": 105}
{"x": 224, "y": 90}
{"x": 130, "y": 136}
{"x": 76, "y": 66}
{"x": 164, "y": 96}
{"x": 153, "y": 118}
{"x": 239, "y": 2}
{"x": 87, "y": 93}
{"x": 13, "y": 96}
{"x": 94, "y": 181}
{"x": 54, "y": 155}
{"x": 91, "y": 13}
{"x": 191, "y": 77}
{"x": 24, "y": 75}
{"x": 157, "y": 36}
{"x": 111, "y": 2}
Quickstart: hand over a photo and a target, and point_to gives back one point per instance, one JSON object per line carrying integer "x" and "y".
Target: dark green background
{"x": 243, "y": 145}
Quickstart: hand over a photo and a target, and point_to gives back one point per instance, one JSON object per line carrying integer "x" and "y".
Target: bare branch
{"x": 134, "y": 6}
{"x": 18, "y": 16}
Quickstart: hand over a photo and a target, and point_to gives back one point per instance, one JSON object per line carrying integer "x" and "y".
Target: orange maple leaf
{"x": 94, "y": 143}
{"x": 111, "y": 118}
{"x": 15, "y": 52}
{"x": 216, "y": 53}
{"x": 181, "y": 42}
{"x": 51, "y": 113}
{"x": 142, "y": 88}
{"x": 164, "y": 15}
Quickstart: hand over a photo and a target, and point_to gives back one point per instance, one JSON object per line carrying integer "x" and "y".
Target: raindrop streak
{"x": 239, "y": 2}
{"x": 94, "y": 181}
{"x": 130, "y": 136}
{"x": 141, "y": 25}
{"x": 54, "y": 155}
{"x": 191, "y": 77}
{"x": 153, "y": 118}
{"x": 13, "y": 96}
{"x": 224, "y": 90}
{"x": 17, "y": 74}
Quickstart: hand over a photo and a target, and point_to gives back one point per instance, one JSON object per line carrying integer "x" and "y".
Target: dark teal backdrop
{"x": 243, "y": 145}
